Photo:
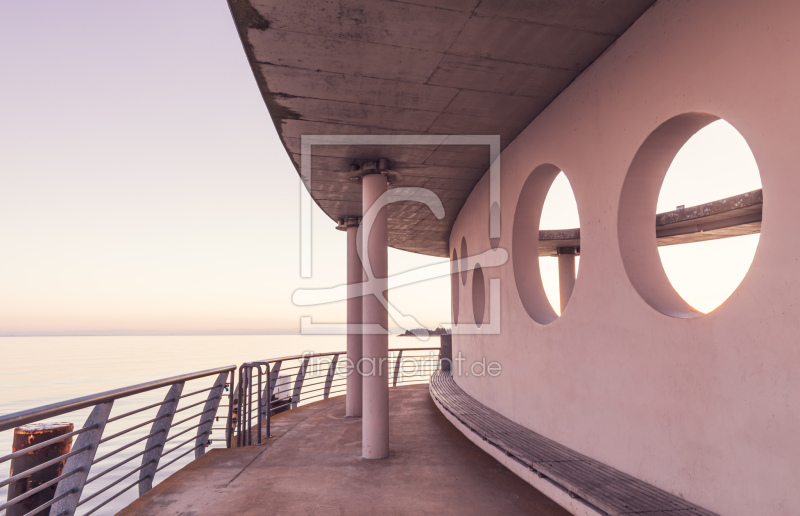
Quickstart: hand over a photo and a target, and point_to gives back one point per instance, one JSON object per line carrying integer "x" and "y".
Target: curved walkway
{"x": 312, "y": 465}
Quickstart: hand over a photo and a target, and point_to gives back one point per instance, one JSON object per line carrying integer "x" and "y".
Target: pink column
{"x": 354, "y": 344}
{"x": 375, "y": 420}
{"x": 566, "y": 274}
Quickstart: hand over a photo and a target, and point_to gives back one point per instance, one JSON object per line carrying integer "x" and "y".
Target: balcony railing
{"x": 269, "y": 387}
{"x": 128, "y": 437}
{"x": 132, "y": 435}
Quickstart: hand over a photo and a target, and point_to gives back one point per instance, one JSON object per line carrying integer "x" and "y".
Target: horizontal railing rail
{"x": 271, "y": 386}
{"x": 158, "y": 425}
{"x": 129, "y": 436}
{"x": 8, "y": 421}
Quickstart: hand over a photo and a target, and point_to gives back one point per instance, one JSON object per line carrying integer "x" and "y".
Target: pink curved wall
{"x": 707, "y": 408}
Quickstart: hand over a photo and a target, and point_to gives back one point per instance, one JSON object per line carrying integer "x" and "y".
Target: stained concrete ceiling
{"x": 422, "y": 67}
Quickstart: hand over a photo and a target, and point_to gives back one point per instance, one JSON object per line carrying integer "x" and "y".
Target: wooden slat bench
{"x": 603, "y": 488}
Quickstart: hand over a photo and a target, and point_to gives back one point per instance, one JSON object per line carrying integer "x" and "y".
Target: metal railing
{"x": 109, "y": 448}
{"x": 268, "y": 387}
{"x": 134, "y": 433}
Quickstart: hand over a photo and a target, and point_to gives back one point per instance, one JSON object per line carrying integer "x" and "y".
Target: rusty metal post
{"x": 26, "y": 437}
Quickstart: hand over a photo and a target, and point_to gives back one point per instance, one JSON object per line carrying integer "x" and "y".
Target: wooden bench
{"x": 603, "y": 488}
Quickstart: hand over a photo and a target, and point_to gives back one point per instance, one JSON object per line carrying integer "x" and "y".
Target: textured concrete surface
{"x": 370, "y": 67}
{"x": 706, "y": 407}
{"x": 312, "y": 465}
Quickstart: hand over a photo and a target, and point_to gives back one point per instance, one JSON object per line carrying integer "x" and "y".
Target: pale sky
{"x": 143, "y": 184}
{"x": 143, "y": 187}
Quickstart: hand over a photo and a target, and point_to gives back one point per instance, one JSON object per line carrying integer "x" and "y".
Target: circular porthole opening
{"x": 559, "y": 243}
{"x": 454, "y": 292}
{"x": 690, "y": 215}
{"x": 538, "y": 235}
{"x": 478, "y": 295}
{"x": 463, "y": 265}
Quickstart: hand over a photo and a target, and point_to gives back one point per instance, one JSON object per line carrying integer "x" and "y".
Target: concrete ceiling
{"x": 429, "y": 67}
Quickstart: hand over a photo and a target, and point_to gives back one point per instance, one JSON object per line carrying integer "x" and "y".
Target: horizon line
{"x": 162, "y": 333}
{"x": 144, "y": 333}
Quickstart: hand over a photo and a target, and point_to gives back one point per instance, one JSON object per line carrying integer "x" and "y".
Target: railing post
{"x": 273, "y": 378}
{"x": 268, "y": 409}
{"x": 298, "y": 383}
{"x": 155, "y": 443}
{"x": 72, "y": 486}
{"x": 210, "y": 407}
{"x": 240, "y": 441}
{"x": 258, "y": 404}
{"x": 229, "y": 424}
{"x": 246, "y": 406}
{"x": 329, "y": 379}
{"x": 245, "y": 394}
{"x": 397, "y": 366}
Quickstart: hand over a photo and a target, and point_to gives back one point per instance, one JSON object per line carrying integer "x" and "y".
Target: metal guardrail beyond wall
{"x": 113, "y": 449}
{"x": 269, "y": 387}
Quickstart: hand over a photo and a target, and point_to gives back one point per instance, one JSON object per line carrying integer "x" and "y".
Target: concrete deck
{"x": 312, "y": 465}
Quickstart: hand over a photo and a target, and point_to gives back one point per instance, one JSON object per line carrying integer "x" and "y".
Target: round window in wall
{"x": 697, "y": 177}
{"x": 454, "y": 291}
{"x": 545, "y": 243}
{"x": 464, "y": 264}
{"x": 478, "y": 295}
{"x": 559, "y": 243}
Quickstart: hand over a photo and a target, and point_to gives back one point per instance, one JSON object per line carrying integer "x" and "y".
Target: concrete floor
{"x": 312, "y": 465}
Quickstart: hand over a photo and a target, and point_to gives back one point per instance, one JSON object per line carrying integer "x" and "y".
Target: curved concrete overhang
{"x": 418, "y": 67}
{"x": 733, "y": 216}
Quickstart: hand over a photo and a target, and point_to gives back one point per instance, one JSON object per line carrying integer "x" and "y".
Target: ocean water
{"x": 38, "y": 371}
{"x": 41, "y": 370}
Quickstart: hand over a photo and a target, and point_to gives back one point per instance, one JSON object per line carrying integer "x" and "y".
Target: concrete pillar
{"x": 375, "y": 417}
{"x": 354, "y": 338}
{"x": 566, "y": 274}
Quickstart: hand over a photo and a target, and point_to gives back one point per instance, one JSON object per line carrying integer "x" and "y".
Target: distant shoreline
{"x": 134, "y": 333}
{"x": 396, "y": 332}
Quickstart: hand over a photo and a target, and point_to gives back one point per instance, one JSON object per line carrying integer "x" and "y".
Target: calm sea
{"x": 41, "y": 370}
